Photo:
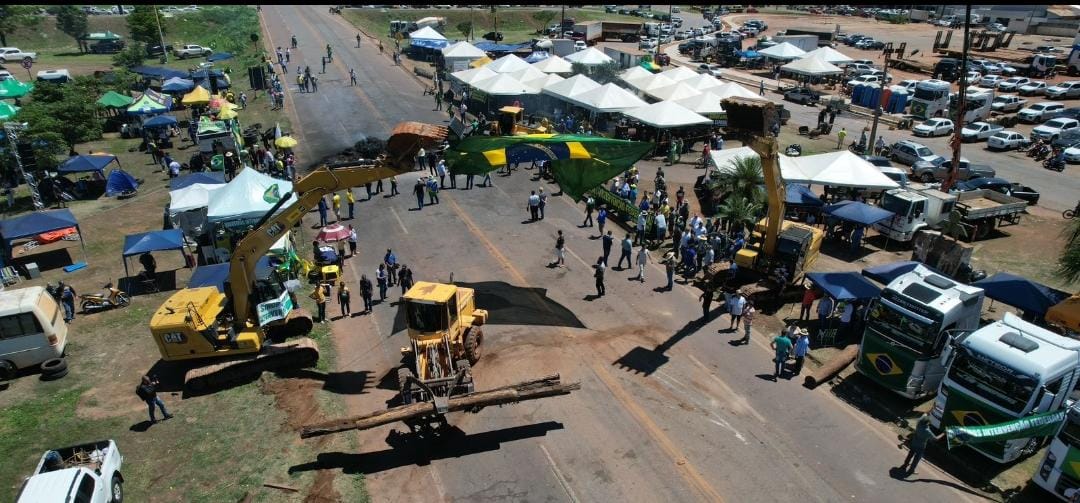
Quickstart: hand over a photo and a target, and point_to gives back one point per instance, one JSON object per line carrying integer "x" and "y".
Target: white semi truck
{"x": 931, "y": 99}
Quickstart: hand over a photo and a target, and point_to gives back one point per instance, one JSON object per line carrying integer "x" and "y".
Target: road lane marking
{"x": 739, "y": 399}
{"x": 559, "y": 475}
{"x": 399, "y": 221}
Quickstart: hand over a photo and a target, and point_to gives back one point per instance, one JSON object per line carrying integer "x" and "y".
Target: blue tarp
{"x": 858, "y": 212}
{"x": 1034, "y": 298}
{"x": 221, "y": 56}
{"x": 217, "y": 274}
{"x": 208, "y": 177}
{"x": 36, "y": 223}
{"x": 801, "y": 195}
{"x": 119, "y": 183}
{"x": 137, "y": 244}
{"x": 158, "y": 72}
{"x": 159, "y": 121}
{"x": 219, "y": 83}
{"x": 177, "y": 84}
{"x": 844, "y": 285}
{"x": 83, "y": 163}
{"x": 496, "y": 47}
{"x": 428, "y": 43}
{"x": 537, "y": 56}
{"x": 885, "y": 274}
{"x": 749, "y": 54}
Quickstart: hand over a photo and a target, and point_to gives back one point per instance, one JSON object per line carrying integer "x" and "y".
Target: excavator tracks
{"x": 294, "y": 354}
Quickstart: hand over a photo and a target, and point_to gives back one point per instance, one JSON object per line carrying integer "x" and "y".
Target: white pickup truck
{"x": 14, "y": 54}
{"x": 189, "y": 50}
{"x": 87, "y": 473}
{"x": 979, "y": 131}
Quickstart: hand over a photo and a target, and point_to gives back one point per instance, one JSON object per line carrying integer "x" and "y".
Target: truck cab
{"x": 1059, "y": 471}
{"x": 914, "y": 210}
{"x": 1003, "y": 371}
{"x": 977, "y": 104}
{"x": 86, "y": 473}
{"x": 930, "y": 99}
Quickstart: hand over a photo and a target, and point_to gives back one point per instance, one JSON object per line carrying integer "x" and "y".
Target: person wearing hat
{"x": 230, "y": 165}
{"x": 802, "y": 347}
{"x": 669, "y": 268}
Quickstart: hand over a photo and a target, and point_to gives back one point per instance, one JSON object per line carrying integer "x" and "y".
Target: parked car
{"x": 995, "y": 28}
{"x": 580, "y": 45}
{"x": 107, "y": 47}
{"x": 991, "y": 68}
{"x": 933, "y": 127}
{"x": 1006, "y": 140}
{"x": 189, "y": 50}
{"x": 1007, "y": 103}
{"x": 909, "y": 152}
{"x": 882, "y": 77}
{"x": 857, "y": 69}
{"x": 991, "y": 81}
{"x": 1072, "y": 154}
{"x": 711, "y": 69}
{"x": 156, "y": 50}
{"x": 4, "y": 75}
{"x": 1012, "y": 84}
{"x": 928, "y": 172}
{"x": 651, "y": 43}
{"x": 1003, "y": 186}
{"x": 907, "y": 85}
{"x": 864, "y": 79}
{"x": 1041, "y": 111}
{"x": 1064, "y": 90}
{"x": 802, "y": 95}
{"x": 979, "y": 131}
{"x": 973, "y": 76}
{"x": 1033, "y": 88}
{"x": 14, "y": 54}
{"x": 1067, "y": 139}
{"x": 1053, "y": 128}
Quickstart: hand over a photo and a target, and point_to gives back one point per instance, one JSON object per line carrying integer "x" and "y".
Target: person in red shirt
{"x": 809, "y": 295}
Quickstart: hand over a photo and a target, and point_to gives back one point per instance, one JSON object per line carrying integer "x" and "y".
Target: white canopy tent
{"x": 721, "y": 160}
{"x": 246, "y": 196}
{"x": 427, "y": 33}
{"x": 472, "y": 76}
{"x": 590, "y": 57}
{"x": 607, "y": 98}
{"x": 460, "y": 54}
{"x": 655, "y": 81}
{"x": 731, "y": 89}
{"x": 707, "y": 104}
{"x": 785, "y": 51}
{"x": 527, "y": 74}
{"x": 504, "y": 85}
{"x": 812, "y": 67}
{"x": 570, "y": 87}
{"x": 678, "y": 73}
{"x": 667, "y": 114}
{"x": 507, "y": 64}
{"x": 676, "y": 91}
{"x": 635, "y": 76}
{"x": 547, "y": 80}
{"x": 703, "y": 82}
{"x": 554, "y": 64}
{"x": 841, "y": 169}
{"x": 192, "y": 197}
{"x": 828, "y": 54}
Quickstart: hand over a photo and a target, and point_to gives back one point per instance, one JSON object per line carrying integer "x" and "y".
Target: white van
{"x": 32, "y": 329}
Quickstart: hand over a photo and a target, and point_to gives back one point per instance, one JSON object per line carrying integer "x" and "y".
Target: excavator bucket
{"x": 407, "y": 139}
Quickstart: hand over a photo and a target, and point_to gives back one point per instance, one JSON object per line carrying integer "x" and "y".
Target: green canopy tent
{"x": 579, "y": 163}
{"x": 7, "y": 110}
{"x": 113, "y": 99}
{"x": 13, "y": 89}
{"x": 106, "y": 35}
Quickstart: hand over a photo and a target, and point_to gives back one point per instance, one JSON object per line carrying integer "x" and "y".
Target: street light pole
{"x": 161, "y": 37}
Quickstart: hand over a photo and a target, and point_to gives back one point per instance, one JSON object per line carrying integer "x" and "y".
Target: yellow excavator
{"x": 244, "y": 327}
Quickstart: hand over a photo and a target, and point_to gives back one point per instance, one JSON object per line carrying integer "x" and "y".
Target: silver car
{"x": 909, "y": 152}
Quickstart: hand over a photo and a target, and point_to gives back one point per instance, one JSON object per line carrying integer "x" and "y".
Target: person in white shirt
{"x": 845, "y": 319}
{"x": 735, "y": 309}
{"x": 642, "y": 259}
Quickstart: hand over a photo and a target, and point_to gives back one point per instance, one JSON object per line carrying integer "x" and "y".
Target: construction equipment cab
{"x": 445, "y": 335}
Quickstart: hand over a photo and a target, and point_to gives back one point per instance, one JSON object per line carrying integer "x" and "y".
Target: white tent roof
{"x": 634, "y": 75}
{"x": 572, "y": 86}
{"x": 608, "y": 98}
{"x": 678, "y": 73}
{"x": 667, "y": 114}
{"x": 427, "y": 33}
{"x": 655, "y": 81}
{"x": 473, "y": 75}
{"x": 194, "y": 196}
{"x": 676, "y": 91}
{"x": 507, "y": 64}
{"x": 590, "y": 56}
{"x": 554, "y": 64}
{"x": 504, "y": 85}
{"x": 545, "y": 81}
{"x": 530, "y": 73}
{"x": 784, "y": 50}
{"x": 462, "y": 49}
{"x": 243, "y": 196}
{"x": 703, "y": 82}
{"x": 829, "y": 54}
{"x": 721, "y": 160}
{"x": 731, "y": 89}
{"x": 812, "y": 66}
{"x": 842, "y": 169}
{"x": 705, "y": 104}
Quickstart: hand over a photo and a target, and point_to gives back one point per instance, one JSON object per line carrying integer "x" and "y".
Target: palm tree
{"x": 1069, "y": 261}
{"x": 739, "y": 212}
{"x": 744, "y": 178}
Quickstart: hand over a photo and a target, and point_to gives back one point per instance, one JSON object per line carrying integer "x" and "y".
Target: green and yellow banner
{"x": 1036, "y": 425}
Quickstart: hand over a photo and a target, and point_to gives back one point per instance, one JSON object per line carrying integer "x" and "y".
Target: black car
{"x": 879, "y": 161}
{"x": 493, "y": 36}
{"x": 1067, "y": 138}
{"x": 802, "y": 95}
{"x": 107, "y": 47}
{"x": 1002, "y": 185}
{"x": 155, "y": 50}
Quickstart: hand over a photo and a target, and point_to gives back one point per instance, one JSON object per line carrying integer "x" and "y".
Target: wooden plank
{"x": 281, "y": 486}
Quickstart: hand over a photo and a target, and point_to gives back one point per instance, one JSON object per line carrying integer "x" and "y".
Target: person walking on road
{"x": 352, "y": 241}
{"x": 440, "y": 170}
{"x": 405, "y": 278}
{"x": 357, "y": 40}
{"x": 438, "y": 101}
{"x": 607, "y": 241}
{"x": 840, "y": 135}
{"x": 782, "y": 345}
{"x": 336, "y": 204}
{"x": 147, "y": 391}
{"x": 590, "y": 204}
{"x": 418, "y": 191}
{"x": 917, "y": 445}
{"x": 352, "y": 77}
{"x": 747, "y": 320}
{"x": 350, "y": 200}
{"x": 343, "y": 296}
{"x": 601, "y": 218}
{"x": 560, "y": 251}
{"x": 599, "y": 275}
{"x": 322, "y": 212}
{"x": 642, "y": 260}
{"x": 391, "y": 266}
{"x": 802, "y": 347}
{"x": 706, "y": 299}
{"x": 366, "y": 292}
{"x": 736, "y": 305}
{"x": 761, "y": 88}
{"x": 393, "y": 186}
{"x": 294, "y": 41}
{"x": 380, "y": 278}
{"x": 627, "y": 247}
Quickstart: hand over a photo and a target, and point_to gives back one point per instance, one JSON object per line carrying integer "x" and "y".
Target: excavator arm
{"x": 402, "y": 146}
{"x": 767, "y": 149}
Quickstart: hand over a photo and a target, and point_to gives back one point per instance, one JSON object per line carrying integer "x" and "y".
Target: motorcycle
{"x": 1054, "y": 163}
{"x": 793, "y": 150}
{"x": 109, "y": 298}
{"x": 1042, "y": 152}
{"x": 1070, "y": 214}
{"x": 1035, "y": 147}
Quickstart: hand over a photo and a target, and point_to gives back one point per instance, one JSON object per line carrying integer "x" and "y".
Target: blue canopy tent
{"x": 31, "y": 225}
{"x": 159, "y": 121}
{"x": 217, "y": 274}
{"x": 177, "y": 85}
{"x": 497, "y": 48}
{"x": 801, "y": 195}
{"x": 207, "y": 177}
{"x": 1034, "y": 298}
{"x": 885, "y": 274}
{"x": 158, "y": 72}
{"x": 84, "y": 163}
{"x": 137, "y": 244}
{"x": 202, "y": 77}
{"x": 858, "y": 212}
{"x": 844, "y": 285}
{"x": 120, "y": 183}
{"x": 221, "y": 56}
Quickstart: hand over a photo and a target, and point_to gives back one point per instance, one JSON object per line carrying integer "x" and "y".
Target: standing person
{"x": 315, "y": 81}
{"x": 782, "y": 345}
{"x": 433, "y": 191}
{"x": 421, "y": 159}
{"x": 405, "y": 278}
{"x": 440, "y": 170}
{"x": 335, "y": 202}
{"x": 627, "y": 247}
{"x": 706, "y": 299}
{"x": 391, "y": 266}
{"x": 357, "y": 40}
{"x": 418, "y": 191}
{"x": 294, "y": 41}
{"x": 880, "y": 145}
{"x": 380, "y": 278}
{"x": 67, "y": 299}
{"x": 352, "y": 77}
{"x": 534, "y": 206}
{"x": 469, "y": 181}
{"x": 639, "y": 235}
{"x": 846, "y": 317}
{"x": 809, "y": 295}
{"x": 487, "y": 180}
{"x": 821, "y": 117}
{"x": 598, "y": 273}
{"x": 590, "y": 204}
{"x": 748, "y": 320}
{"x": 147, "y": 391}
{"x": 343, "y": 296}
{"x": 824, "y": 310}
{"x": 761, "y": 88}
{"x": 917, "y": 445}
{"x": 832, "y": 116}
{"x": 366, "y": 292}
{"x": 669, "y": 269}
{"x": 840, "y": 135}
{"x": 560, "y": 251}
{"x": 350, "y": 199}
{"x": 393, "y": 186}
{"x": 607, "y": 241}
{"x": 438, "y": 101}
{"x": 320, "y": 301}
{"x": 642, "y": 260}
{"x": 802, "y": 347}
{"x": 735, "y": 309}
{"x": 352, "y": 241}
{"x": 322, "y": 211}
{"x": 601, "y": 218}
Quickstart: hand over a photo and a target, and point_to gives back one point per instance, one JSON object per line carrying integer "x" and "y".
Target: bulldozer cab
{"x": 430, "y": 309}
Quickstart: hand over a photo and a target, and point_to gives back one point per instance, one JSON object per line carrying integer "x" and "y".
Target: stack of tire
{"x": 53, "y": 369}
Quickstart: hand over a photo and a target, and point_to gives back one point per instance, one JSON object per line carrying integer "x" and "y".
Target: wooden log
{"x": 283, "y": 487}
{"x": 529, "y": 390}
{"x": 832, "y": 367}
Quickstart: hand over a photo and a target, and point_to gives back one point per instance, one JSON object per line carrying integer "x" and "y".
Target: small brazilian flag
{"x": 272, "y": 194}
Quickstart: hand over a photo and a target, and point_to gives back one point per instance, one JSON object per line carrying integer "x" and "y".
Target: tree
{"x": 544, "y": 17}
{"x": 744, "y": 178}
{"x": 602, "y": 74}
{"x": 132, "y": 55}
{"x": 143, "y": 24}
{"x": 67, "y": 111}
{"x": 739, "y": 212}
{"x": 1069, "y": 261}
{"x": 15, "y": 17}
{"x": 72, "y": 21}
{"x": 465, "y": 28}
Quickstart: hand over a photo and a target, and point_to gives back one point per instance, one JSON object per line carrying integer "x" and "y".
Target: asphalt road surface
{"x": 668, "y": 410}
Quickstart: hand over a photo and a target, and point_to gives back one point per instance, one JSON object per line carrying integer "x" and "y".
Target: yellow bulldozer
{"x": 239, "y": 333}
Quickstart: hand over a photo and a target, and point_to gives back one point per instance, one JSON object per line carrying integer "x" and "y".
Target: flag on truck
{"x": 1037, "y": 425}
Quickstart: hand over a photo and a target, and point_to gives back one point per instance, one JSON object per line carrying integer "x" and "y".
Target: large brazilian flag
{"x": 579, "y": 163}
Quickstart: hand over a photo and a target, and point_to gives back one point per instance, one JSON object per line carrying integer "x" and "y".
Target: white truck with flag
{"x": 1059, "y": 472}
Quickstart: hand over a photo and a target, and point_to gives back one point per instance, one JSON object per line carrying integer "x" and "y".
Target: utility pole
{"x": 562, "y": 22}
{"x": 161, "y": 37}
{"x": 961, "y": 103}
{"x": 869, "y": 148}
